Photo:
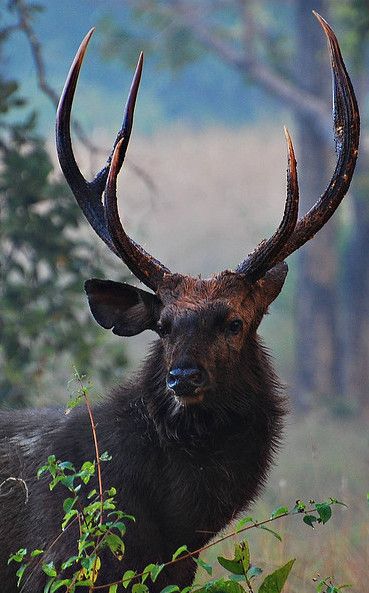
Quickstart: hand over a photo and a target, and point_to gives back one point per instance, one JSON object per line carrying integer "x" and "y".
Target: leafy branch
{"x": 102, "y": 526}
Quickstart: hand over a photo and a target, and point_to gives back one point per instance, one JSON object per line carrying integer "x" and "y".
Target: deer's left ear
{"x": 125, "y": 309}
{"x": 271, "y": 284}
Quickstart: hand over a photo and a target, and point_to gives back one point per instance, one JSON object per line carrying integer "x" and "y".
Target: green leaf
{"x": 335, "y": 501}
{"x": 253, "y": 572}
{"x": 120, "y": 527}
{"x": 49, "y": 569}
{"x": 18, "y": 556}
{"x": 69, "y": 562}
{"x": 310, "y": 520}
{"x": 47, "y": 587}
{"x": 68, "y": 504}
{"x": 221, "y": 586}
{"x": 113, "y": 588}
{"x": 170, "y": 589}
{"x": 140, "y": 588}
{"x": 155, "y": 571}
{"x": 200, "y": 562}
{"x": 146, "y": 571}
{"x": 179, "y": 551}
{"x": 271, "y": 531}
{"x": 66, "y": 465}
{"x": 324, "y": 511}
{"x": 73, "y": 403}
{"x": 242, "y": 553}
{"x": 36, "y": 552}
{"x": 274, "y": 582}
{"x": 20, "y": 573}
{"x": 58, "y": 584}
{"x": 127, "y": 578}
{"x": 233, "y": 566}
{"x": 299, "y": 507}
{"x": 242, "y": 523}
{"x": 115, "y": 544}
{"x": 278, "y": 512}
{"x": 68, "y": 517}
{"x": 241, "y": 561}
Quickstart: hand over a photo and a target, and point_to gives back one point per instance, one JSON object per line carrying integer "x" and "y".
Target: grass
{"x": 321, "y": 457}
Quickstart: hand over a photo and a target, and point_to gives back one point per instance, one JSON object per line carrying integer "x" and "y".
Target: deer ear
{"x": 125, "y": 309}
{"x": 271, "y": 284}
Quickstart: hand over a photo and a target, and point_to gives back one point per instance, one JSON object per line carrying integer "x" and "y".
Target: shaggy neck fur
{"x": 250, "y": 398}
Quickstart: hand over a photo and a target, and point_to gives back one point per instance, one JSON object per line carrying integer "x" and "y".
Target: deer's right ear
{"x": 125, "y": 309}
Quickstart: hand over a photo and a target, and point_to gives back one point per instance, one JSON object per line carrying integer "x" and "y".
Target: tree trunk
{"x": 356, "y": 287}
{"x": 318, "y": 374}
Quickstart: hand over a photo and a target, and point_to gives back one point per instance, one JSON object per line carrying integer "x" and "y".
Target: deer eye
{"x": 164, "y": 327}
{"x": 235, "y": 326}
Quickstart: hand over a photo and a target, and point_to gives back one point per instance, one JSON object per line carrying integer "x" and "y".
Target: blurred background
{"x": 204, "y": 182}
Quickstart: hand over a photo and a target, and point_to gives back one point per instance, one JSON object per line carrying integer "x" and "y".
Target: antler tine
{"x": 259, "y": 261}
{"x": 124, "y": 132}
{"x": 89, "y": 194}
{"x": 86, "y": 195}
{"x": 145, "y": 267}
{"x": 346, "y": 130}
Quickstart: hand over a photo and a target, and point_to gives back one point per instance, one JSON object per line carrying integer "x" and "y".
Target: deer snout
{"x": 185, "y": 380}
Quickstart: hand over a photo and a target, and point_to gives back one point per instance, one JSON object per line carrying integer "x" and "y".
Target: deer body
{"x": 184, "y": 478}
{"x": 192, "y": 436}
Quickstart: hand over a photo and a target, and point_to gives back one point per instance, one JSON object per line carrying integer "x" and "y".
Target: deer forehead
{"x": 192, "y": 293}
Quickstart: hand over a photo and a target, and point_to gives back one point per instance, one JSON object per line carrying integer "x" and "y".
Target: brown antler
{"x": 258, "y": 262}
{"x": 89, "y": 193}
{"x": 346, "y": 130}
{"x": 145, "y": 267}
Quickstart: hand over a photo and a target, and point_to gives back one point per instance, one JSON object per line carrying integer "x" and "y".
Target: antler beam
{"x": 346, "y": 132}
{"x": 89, "y": 193}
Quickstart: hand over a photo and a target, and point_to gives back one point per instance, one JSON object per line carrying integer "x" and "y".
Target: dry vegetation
{"x": 217, "y": 193}
{"x": 321, "y": 457}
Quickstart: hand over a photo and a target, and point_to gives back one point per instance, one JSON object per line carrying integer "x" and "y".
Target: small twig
{"x": 97, "y": 454}
{"x": 84, "y": 392}
{"x": 211, "y": 544}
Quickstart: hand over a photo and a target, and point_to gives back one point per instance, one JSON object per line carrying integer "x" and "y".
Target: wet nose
{"x": 185, "y": 380}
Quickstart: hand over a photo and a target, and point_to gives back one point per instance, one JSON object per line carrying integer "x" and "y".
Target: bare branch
{"x": 300, "y": 101}
{"x": 25, "y": 25}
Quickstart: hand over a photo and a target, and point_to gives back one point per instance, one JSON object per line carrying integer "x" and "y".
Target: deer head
{"x": 205, "y": 325}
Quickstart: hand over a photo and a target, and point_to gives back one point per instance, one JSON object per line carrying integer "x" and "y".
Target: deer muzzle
{"x": 187, "y": 381}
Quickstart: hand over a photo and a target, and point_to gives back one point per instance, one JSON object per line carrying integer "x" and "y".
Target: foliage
{"x": 44, "y": 260}
{"x": 353, "y": 16}
{"x": 102, "y": 526}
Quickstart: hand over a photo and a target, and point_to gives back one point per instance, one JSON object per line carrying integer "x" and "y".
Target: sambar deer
{"x": 193, "y": 435}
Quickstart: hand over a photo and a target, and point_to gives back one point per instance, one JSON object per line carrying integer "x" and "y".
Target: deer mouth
{"x": 191, "y": 399}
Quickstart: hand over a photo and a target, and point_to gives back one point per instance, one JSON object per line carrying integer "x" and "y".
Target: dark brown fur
{"x": 184, "y": 468}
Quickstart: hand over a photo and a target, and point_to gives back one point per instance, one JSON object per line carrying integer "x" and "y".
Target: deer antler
{"x": 258, "y": 262}
{"x": 145, "y": 267}
{"x": 347, "y": 130}
{"x": 291, "y": 233}
{"x": 89, "y": 193}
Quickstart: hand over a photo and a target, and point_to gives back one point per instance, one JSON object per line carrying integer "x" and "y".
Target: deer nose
{"x": 185, "y": 380}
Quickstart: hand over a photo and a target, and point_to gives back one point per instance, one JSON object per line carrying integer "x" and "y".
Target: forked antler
{"x": 346, "y": 132}
{"x": 291, "y": 233}
{"x": 104, "y": 221}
